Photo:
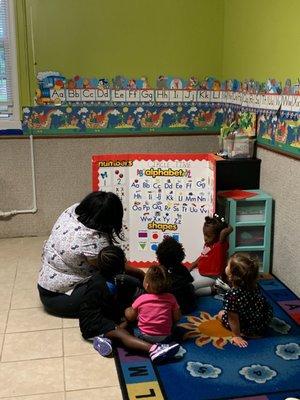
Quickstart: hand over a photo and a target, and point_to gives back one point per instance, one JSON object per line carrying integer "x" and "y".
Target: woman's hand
{"x": 239, "y": 341}
{"x": 135, "y": 272}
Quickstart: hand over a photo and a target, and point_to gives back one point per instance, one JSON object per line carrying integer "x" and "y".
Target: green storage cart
{"x": 251, "y": 220}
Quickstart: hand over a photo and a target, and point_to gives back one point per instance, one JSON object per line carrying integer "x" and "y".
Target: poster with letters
{"x": 162, "y": 195}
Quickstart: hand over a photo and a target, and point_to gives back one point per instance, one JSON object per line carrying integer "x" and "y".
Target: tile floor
{"x": 43, "y": 357}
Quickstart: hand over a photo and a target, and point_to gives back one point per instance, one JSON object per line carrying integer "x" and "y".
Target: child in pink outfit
{"x": 155, "y": 311}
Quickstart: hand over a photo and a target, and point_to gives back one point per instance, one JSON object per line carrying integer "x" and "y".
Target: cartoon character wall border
{"x": 126, "y": 106}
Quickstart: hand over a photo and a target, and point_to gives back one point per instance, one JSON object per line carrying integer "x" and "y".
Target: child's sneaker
{"x": 102, "y": 345}
{"x": 222, "y": 285}
{"x": 159, "y": 352}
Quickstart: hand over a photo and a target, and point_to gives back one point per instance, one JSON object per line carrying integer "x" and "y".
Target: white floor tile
{"x": 31, "y": 319}
{"x": 31, "y": 377}
{"x": 32, "y": 345}
{"x": 41, "y": 356}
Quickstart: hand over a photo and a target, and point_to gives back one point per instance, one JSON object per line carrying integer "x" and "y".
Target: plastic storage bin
{"x": 239, "y": 147}
{"x": 249, "y": 211}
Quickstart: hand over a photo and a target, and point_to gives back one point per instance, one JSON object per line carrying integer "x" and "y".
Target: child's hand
{"x": 238, "y": 341}
{"x": 123, "y": 325}
{"x": 194, "y": 264}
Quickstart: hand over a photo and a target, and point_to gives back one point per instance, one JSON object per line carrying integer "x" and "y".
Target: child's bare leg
{"x": 128, "y": 340}
{"x": 157, "y": 352}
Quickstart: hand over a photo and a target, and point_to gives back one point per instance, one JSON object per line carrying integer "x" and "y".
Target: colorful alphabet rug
{"x": 209, "y": 367}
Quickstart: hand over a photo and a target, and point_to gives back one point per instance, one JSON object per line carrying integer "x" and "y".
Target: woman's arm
{"x": 135, "y": 272}
{"x": 234, "y": 323}
{"x": 92, "y": 262}
{"x": 131, "y": 314}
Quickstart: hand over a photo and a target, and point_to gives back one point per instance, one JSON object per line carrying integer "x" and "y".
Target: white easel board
{"x": 162, "y": 195}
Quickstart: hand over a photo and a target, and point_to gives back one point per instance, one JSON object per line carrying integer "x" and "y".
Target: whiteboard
{"x": 162, "y": 195}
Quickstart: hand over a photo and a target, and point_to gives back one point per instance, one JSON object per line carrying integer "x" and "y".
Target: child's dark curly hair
{"x": 216, "y": 223}
{"x": 157, "y": 280}
{"x": 170, "y": 252}
{"x": 111, "y": 261}
{"x": 243, "y": 271}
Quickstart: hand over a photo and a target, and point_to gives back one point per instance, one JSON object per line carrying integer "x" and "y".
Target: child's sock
{"x": 153, "y": 347}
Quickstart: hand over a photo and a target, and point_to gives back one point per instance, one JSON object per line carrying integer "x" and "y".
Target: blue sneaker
{"x": 102, "y": 345}
{"x": 163, "y": 351}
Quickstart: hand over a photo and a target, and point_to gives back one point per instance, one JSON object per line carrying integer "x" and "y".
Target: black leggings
{"x": 61, "y": 304}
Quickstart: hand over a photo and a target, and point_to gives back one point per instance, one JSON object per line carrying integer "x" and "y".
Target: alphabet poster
{"x": 162, "y": 195}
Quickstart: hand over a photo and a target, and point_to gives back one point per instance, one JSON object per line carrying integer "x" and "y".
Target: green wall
{"x": 261, "y": 39}
{"x": 223, "y": 38}
{"x": 106, "y": 38}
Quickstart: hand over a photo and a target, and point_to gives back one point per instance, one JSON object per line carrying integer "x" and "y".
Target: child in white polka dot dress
{"x": 245, "y": 312}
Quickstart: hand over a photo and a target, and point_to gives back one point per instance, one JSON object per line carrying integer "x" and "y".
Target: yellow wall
{"x": 261, "y": 39}
{"x": 223, "y": 38}
{"x": 107, "y": 38}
